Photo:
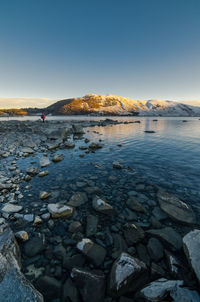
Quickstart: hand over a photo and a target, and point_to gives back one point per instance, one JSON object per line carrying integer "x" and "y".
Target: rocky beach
{"x": 107, "y": 234}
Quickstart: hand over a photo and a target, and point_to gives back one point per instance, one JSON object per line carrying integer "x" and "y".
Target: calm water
{"x": 170, "y": 157}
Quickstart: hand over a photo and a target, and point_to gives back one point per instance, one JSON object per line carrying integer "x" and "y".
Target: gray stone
{"x": 102, "y": 206}
{"x": 94, "y": 252}
{"x": 27, "y": 150}
{"x": 155, "y": 249}
{"x": 175, "y": 208}
{"x": 91, "y": 226}
{"x": 125, "y": 275}
{"x": 77, "y": 129}
{"x": 133, "y": 233}
{"x": 90, "y": 284}
{"x": 34, "y": 246}
{"x": 49, "y": 287}
{"x": 169, "y": 236}
{"x": 28, "y": 217}
{"x": 77, "y": 199}
{"x": 32, "y": 171}
{"x": 117, "y": 165}
{"x": 134, "y": 205}
{"x": 13, "y": 285}
{"x": 58, "y": 210}
{"x": 70, "y": 291}
{"x": 11, "y": 208}
{"x": 44, "y": 195}
{"x": 58, "y": 157}
{"x": 162, "y": 288}
{"x": 95, "y": 146}
{"x": 44, "y": 161}
{"x": 191, "y": 245}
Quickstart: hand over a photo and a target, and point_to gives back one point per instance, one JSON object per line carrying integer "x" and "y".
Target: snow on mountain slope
{"x": 116, "y": 105}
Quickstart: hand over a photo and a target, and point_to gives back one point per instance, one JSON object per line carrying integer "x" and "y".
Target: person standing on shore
{"x": 43, "y": 117}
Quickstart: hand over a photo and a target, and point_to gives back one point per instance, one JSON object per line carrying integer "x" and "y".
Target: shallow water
{"x": 169, "y": 157}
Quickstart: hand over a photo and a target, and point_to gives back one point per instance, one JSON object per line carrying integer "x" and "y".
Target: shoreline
{"x": 96, "y": 233}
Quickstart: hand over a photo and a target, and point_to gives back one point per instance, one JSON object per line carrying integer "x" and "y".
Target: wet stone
{"x": 91, "y": 226}
{"x": 77, "y": 199}
{"x": 133, "y": 233}
{"x": 34, "y": 246}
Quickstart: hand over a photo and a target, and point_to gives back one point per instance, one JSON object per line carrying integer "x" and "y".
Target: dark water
{"x": 170, "y": 157}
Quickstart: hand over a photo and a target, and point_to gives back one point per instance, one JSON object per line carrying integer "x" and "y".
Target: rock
{"x": 22, "y": 235}
{"x": 90, "y": 284}
{"x": 27, "y": 150}
{"x": 143, "y": 253}
{"x": 93, "y": 190}
{"x": 58, "y": 157}
{"x": 156, "y": 271}
{"x": 159, "y": 215}
{"x": 91, "y": 226}
{"x": 43, "y": 173}
{"x": 32, "y": 171}
{"x": 119, "y": 245}
{"x": 169, "y": 236}
{"x": 125, "y": 275}
{"x": 2, "y": 221}
{"x": 66, "y": 133}
{"x": 34, "y": 246}
{"x": 75, "y": 227}
{"x": 37, "y": 221}
{"x": 162, "y": 288}
{"x": 175, "y": 208}
{"x": 74, "y": 261}
{"x": 102, "y": 206}
{"x": 133, "y": 233}
{"x": 44, "y": 195}
{"x": 191, "y": 245}
{"x": 44, "y": 161}
{"x": 13, "y": 285}
{"x": 155, "y": 249}
{"x": 59, "y": 210}
{"x": 69, "y": 145}
{"x": 49, "y": 287}
{"x": 28, "y": 178}
{"x": 134, "y": 205}
{"x": 150, "y": 131}
{"x": 117, "y": 165}
{"x": 77, "y": 129}
{"x": 28, "y": 217}
{"x": 93, "y": 251}
{"x": 70, "y": 291}
{"x": 11, "y": 208}
{"x": 95, "y": 146}
{"x": 174, "y": 264}
{"x": 77, "y": 199}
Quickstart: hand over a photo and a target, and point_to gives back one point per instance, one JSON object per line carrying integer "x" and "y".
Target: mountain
{"x": 115, "y": 105}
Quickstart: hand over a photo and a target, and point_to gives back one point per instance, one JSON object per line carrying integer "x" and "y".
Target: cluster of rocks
{"x": 116, "y": 239}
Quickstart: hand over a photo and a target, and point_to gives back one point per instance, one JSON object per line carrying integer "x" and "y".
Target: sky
{"x": 142, "y": 49}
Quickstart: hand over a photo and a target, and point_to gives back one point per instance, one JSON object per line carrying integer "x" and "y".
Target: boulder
{"x": 175, "y": 208}
{"x": 77, "y": 129}
{"x": 134, "y": 205}
{"x": 125, "y": 275}
{"x": 94, "y": 252}
{"x": 11, "y": 208}
{"x": 162, "y": 288}
{"x": 90, "y": 284}
{"x": 191, "y": 245}
{"x": 13, "y": 285}
{"x": 168, "y": 236}
{"x": 58, "y": 210}
{"x": 102, "y": 206}
{"x": 44, "y": 161}
{"x": 77, "y": 199}
{"x": 58, "y": 157}
{"x": 32, "y": 171}
{"x": 133, "y": 233}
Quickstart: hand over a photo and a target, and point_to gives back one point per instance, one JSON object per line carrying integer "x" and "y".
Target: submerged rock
{"x": 11, "y": 208}
{"x": 44, "y": 195}
{"x": 175, "y": 208}
{"x": 77, "y": 129}
{"x": 32, "y": 171}
{"x": 44, "y": 161}
{"x": 191, "y": 245}
{"x": 90, "y": 284}
{"x": 125, "y": 274}
{"x": 77, "y": 199}
{"x": 58, "y": 157}
{"x": 169, "y": 236}
{"x": 59, "y": 210}
{"x": 93, "y": 251}
{"x": 102, "y": 206}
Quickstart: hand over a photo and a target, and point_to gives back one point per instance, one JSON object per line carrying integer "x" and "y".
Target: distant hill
{"x": 115, "y": 105}
{"x": 93, "y": 104}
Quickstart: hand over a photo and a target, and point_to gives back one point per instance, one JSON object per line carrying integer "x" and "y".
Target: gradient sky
{"x": 141, "y": 49}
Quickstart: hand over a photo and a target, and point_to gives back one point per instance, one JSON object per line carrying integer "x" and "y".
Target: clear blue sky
{"x": 134, "y": 48}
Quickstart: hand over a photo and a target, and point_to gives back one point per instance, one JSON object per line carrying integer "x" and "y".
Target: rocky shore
{"x": 105, "y": 235}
